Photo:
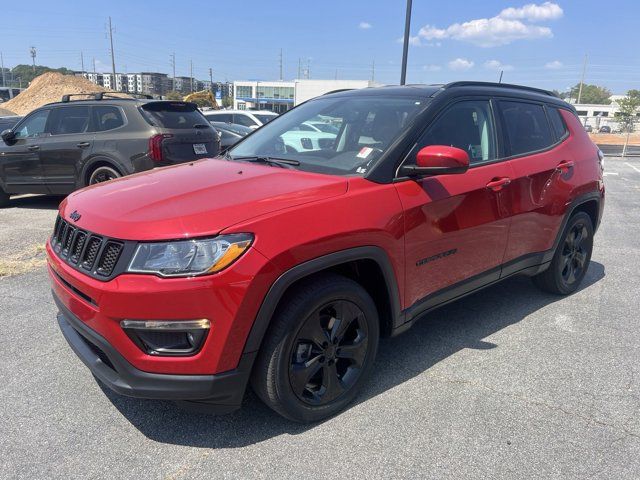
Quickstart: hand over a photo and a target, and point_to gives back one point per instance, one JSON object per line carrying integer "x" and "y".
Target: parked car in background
{"x": 247, "y": 118}
{"x": 283, "y": 269}
{"x": 67, "y": 145}
{"x": 8, "y": 122}
{"x": 230, "y": 134}
{"x": 588, "y": 128}
{"x": 605, "y": 129}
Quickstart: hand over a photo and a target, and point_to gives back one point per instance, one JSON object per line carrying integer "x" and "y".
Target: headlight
{"x": 189, "y": 257}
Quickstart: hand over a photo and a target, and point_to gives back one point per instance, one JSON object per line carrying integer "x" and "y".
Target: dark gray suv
{"x": 64, "y": 146}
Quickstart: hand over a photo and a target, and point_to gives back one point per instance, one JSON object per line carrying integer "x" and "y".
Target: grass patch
{"x": 28, "y": 260}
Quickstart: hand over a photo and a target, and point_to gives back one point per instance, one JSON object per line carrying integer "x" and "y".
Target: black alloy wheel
{"x": 574, "y": 253}
{"x": 571, "y": 258}
{"x": 329, "y": 352}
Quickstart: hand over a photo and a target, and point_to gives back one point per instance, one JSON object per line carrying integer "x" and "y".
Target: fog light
{"x": 167, "y": 338}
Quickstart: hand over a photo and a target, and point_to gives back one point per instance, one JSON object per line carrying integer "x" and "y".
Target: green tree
{"x": 591, "y": 94}
{"x": 629, "y": 106}
{"x": 227, "y": 102}
{"x": 26, "y": 73}
{"x": 173, "y": 95}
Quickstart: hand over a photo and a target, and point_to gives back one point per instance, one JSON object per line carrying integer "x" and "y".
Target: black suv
{"x": 64, "y": 146}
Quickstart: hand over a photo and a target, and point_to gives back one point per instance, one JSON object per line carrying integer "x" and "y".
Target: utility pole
{"x": 191, "y": 75}
{"x": 94, "y": 64}
{"x": 82, "y": 62}
{"x": 373, "y": 70}
{"x": 336, "y": 77}
{"x": 210, "y": 79}
{"x": 500, "y": 79}
{"x": 280, "y": 64}
{"x": 32, "y": 51}
{"x": 405, "y": 46}
{"x": 173, "y": 66}
{"x": 308, "y": 68}
{"x": 584, "y": 69}
{"x": 4, "y": 81}
{"x": 299, "y": 67}
{"x": 113, "y": 58}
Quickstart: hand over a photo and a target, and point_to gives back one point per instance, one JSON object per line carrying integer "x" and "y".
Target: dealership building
{"x": 280, "y": 96}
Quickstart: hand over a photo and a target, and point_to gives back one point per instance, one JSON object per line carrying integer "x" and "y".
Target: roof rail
{"x": 101, "y": 95}
{"x": 499, "y": 85}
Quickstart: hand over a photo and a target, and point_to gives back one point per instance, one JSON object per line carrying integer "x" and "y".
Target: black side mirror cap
{"x": 415, "y": 171}
{"x": 7, "y": 135}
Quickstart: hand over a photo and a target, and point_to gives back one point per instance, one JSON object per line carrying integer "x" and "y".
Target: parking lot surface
{"x": 507, "y": 383}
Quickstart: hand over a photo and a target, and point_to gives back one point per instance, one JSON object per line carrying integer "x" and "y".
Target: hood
{"x": 195, "y": 199}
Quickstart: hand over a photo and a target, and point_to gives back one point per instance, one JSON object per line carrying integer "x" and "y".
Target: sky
{"x": 540, "y": 44}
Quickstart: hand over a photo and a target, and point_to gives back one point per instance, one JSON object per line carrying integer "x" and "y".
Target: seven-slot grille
{"x": 85, "y": 250}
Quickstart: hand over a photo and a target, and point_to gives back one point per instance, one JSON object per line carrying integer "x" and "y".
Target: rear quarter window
{"x": 557, "y": 123}
{"x": 175, "y": 115}
{"x": 106, "y": 117}
{"x": 526, "y": 126}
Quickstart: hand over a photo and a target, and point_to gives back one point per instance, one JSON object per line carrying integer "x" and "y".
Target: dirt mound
{"x": 4, "y": 112}
{"x": 49, "y": 87}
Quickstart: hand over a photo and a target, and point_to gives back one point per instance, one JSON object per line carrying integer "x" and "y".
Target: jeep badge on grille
{"x": 75, "y": 216}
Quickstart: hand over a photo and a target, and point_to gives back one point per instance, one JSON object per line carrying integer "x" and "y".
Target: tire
{"x": 311, "y": 366}
{"x": 571, "y": 259}
{"x": 4, "y": 198}
{"x": 103, "y": 173}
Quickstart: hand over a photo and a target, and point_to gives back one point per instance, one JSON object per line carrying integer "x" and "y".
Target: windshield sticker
{"x": 364, "y": 152}
{"x": 361, "y": 170}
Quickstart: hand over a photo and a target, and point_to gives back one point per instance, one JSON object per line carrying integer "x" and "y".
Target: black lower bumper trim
{"x": 221, "y": 393}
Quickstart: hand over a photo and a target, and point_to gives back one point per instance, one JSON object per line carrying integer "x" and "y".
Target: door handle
{"x": 497, "y": 183}
{"x": 83, "y": 144}
{"x": 564, "y": 166}
{"x": 33, "y": 148}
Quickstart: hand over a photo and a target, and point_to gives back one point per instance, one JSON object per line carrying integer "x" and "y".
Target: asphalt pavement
{"x": 507, "y": 383}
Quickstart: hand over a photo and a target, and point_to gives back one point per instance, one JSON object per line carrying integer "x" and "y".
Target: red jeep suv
{"x": 283, "y": 268}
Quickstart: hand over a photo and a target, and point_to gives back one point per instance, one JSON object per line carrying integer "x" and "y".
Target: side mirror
{"x": 437, "y": 160}
{"x": 7, "y": 135}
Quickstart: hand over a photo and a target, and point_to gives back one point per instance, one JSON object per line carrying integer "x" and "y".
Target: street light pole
{"x": 405, "y": 47}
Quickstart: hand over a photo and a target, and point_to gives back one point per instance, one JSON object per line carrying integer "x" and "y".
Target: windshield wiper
{"x": 280, "y": 162}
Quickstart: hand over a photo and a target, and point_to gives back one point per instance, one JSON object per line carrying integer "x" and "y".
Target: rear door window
{"x": 69, "y": 120}
{"x": 106, "y": 117}
{"x": 559, "y": 128}
{"x": 526, "y": 126}
{"x": 175, "y": 115}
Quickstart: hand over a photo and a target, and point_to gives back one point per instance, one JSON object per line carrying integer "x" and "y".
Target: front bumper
{"x": 222, "y": 393}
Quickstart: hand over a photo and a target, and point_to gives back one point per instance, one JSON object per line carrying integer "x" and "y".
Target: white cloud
{"x": 460, "y": 64}
{"x": 555, "y": 65}
{"x": 416, "y": 41}
{"x": 432, "y": 68}
{"x": 533, "y": 13}
{"x": 364, "y": 25}
{"x": 506, "y": 27}
{"x": 497, "y": 65}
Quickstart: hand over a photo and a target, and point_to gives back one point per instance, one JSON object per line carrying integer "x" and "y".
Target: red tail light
{"x": 155, "y": 146}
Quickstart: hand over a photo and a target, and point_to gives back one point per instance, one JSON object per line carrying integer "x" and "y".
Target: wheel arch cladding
{"x": 369, "y": 266}
{"x": 591, "y": 208}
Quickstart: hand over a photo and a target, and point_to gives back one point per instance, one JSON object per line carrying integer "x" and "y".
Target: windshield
{"x": 361, "y": 129}
{"x": 264, "y": 117}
